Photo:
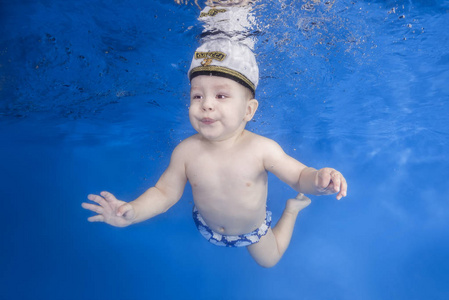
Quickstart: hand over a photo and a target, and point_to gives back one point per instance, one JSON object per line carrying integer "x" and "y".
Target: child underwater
{"x": 226, "y": 165}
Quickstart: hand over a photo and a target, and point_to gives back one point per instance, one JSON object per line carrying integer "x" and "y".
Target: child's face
{"x": 219, "y": 107}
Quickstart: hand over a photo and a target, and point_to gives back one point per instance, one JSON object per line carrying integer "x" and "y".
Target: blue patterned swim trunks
{"x": 241, "y": 240}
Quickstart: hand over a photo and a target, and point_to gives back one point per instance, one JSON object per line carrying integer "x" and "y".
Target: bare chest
{"x": 223, "y": 171}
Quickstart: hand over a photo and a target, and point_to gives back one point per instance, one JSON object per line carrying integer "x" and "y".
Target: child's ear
{"x": 251, "y": 108}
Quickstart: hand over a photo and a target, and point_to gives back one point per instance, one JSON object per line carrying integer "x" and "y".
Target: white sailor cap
{"x": 225, "y": 58}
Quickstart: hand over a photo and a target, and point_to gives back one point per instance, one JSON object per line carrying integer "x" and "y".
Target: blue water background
{"x": 94, "y": 97}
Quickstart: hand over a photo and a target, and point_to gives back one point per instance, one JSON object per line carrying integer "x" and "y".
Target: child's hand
{"x": 110, "y": 210}
{"x": 329, "y": 181}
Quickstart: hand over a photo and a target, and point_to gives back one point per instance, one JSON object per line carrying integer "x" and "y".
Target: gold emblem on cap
{"x": 208, "y": 57}
{"x": 206, "y": 62}
{"x": 212, "y": 12}
{"x": 217, "y": 55}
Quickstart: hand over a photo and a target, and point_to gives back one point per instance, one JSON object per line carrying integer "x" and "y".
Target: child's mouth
{"x": 207, "y": 121}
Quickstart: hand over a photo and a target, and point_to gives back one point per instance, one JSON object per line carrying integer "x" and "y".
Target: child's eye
{"x": 221, "y": 96}
{"x": 196, "y": 97}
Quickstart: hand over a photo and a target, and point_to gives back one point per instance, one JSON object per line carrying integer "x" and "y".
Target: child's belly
{"x": 230, "y": 212}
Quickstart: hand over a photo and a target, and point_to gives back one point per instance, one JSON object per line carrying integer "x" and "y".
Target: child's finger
{"x": 336, "y": 179}
{"x": 98, "y": 199}
{"x": 97, "y": 218}
{"x": 93, "y": 207}
{"x": 340, "y": 195}
{"x": 108, "y": 196}
{"x": 343, "y": 188}
{"x": 323, "y": 179}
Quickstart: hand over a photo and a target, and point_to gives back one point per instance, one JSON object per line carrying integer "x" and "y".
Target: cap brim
{"x": 222, "y": 72}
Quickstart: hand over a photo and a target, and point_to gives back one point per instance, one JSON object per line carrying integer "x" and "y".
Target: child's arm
{"x": 300, "y": 177}
{"x": 156, "y": 200}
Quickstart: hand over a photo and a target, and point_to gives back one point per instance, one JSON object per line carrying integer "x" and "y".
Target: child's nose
{"x": 207, "y": 104}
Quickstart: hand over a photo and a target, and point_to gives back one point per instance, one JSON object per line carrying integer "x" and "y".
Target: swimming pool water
{"x": 94, "y": 97}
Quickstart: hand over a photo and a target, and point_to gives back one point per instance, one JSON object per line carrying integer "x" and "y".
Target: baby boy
{"x": 225, "y": 164}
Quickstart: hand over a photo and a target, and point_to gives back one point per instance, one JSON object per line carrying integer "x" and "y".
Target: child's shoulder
{"x": 185, "y": 148}
{"x": 261, "y": 140}
{"x": 189, "y": 142}
{"x": 192, "y": 143}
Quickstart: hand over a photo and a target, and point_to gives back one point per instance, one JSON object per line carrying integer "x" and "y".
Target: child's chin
{"x": 212, "y": 137}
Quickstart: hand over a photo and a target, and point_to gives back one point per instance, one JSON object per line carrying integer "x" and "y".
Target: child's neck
{"x": 227, "y": 143}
